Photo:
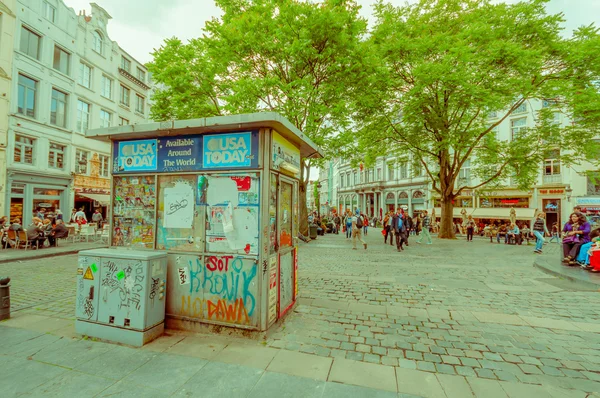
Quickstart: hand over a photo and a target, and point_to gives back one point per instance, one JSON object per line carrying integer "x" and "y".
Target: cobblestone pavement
{"x": 47, "y": 285}
{"x": 476, "y": 309}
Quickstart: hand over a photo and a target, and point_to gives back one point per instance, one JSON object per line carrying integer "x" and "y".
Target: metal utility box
{"x": 221, "y": 196}
{"x": 121, "y": 295}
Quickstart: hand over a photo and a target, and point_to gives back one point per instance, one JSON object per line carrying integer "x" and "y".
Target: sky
{"x": 139, "y": 26}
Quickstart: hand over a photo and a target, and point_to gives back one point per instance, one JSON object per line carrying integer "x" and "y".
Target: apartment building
{"x": 68, "y": 76}
{"x": 389, "y": 183}
{"x": 7, "y": 37}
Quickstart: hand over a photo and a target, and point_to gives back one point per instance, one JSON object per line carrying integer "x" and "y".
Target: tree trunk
{"x": 303, "y": 209}
{"x": 447, "y": 220}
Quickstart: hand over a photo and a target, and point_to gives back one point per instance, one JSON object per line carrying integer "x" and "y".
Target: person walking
{"x": 337, "y": 221}
{"x": 387, "y": 222}
{"x": 470, "y": 224}
{"x": 555, "y": 233}
{"x": 98, "y": 219}
{"x": 539, "y": 229}
{"x": 425, "y": 222}
{"x": 357, "y": 225}
{"x": 399, "y": 227}
{"x": 365, "y": 224}
{"x": 348, "y": 223}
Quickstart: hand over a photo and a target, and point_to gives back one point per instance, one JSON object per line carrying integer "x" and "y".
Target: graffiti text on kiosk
{"x": 227, "y": 150}
{"x": 137, "y": 155}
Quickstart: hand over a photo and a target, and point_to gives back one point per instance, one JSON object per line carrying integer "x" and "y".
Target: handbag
{"x": 571, "y": 239}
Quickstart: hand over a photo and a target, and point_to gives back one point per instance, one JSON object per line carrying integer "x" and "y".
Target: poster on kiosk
{"x": 220, "y": 195}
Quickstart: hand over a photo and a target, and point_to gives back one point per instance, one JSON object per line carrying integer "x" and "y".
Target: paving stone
{"x": 505, "y": 376}
{"x": 492, "y": 356}
{"x": 413, "y": 355}
{"x": 363, "y": 348}
{"x": 530, "y": 369}
{"x": 356, "y": 356}
{"x": 591, "y": 375}
{"x": 379, "y": 350}
{"x": 389, "y": 361}
{"x": 407, "y": 363}
{"x": 572, "y": 373}
{"x": 485, "y": 373}
{"x": 451, "y": 360}
{"x": 474, "y": 363}
{"x": 531, "y": 361}
{"x": 511, "y": 358}
{"x": 465, "y": 371}
{"x": 438, "y": 350}
{"x": 473, "y": 354}
{"x": 426, "y": 366}
{"x": 550, "y": 362}
{"x": 447, "y": 369}
{"x": 432, "y": 358}
{"x": 373, "y": 358}
{"x": 348, "y": 346}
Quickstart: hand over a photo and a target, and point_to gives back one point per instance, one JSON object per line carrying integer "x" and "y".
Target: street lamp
{"x": 319, "y": 200}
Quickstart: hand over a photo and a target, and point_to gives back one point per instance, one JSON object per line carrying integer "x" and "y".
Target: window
{"x": 379, "y": 174}
{"x": 125, "y": 95}
{"x": 83, "y": 116}
{"x": 81, "y": 162}
{"x": 390, "y": 167}
{"x": 593, "y": 183}
{"x": 494, "y": 132}
{"x": 23, "y": 150}
{"x": 125, "y": 64}
{"x": 61, "y": 60}
{"x": 30, "y": 43}
{"x": 552, "y": 163}
{"x": 549, "y": 103}
{"x": 516, "y": 126}
{"x": 141, "y": 74}
{"x": 355, "y": 178}
{"x": 97, "y": 42}
{"x": 521, "y": 108}
{"x": 139, "y": 104}
{"x": 49, "y": 11}
{"x": 123, "y": 121}
{"x": 403, "y": 171}
{"x": 58, "y": 108}
{"x": 105, "y": 118}
{"x": 85, "y": 75}
{"x": 464, "y": 175}
{"x": 27, "y": 94}
{"x": 341, "y": 181}
{"x": 348, "y": 179}
{"x": 418, "y": 169}
{"x": 492, "y": 115}
{"x": 56, "y": 156}
{"x": 104, "y": 164}
{"x": 106, "y": 87}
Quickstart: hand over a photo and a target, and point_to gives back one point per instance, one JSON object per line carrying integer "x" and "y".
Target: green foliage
{"x": 433, "y": 72}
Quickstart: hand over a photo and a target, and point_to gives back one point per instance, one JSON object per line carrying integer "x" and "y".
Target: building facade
{"x": 389, "y": 183}
{"x": 7, "y": 37}
{"x": 68, "y": 76}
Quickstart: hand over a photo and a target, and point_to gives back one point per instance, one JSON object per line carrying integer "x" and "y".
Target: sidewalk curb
{"x": 547, "y": 268}
{"x": 44, "y": 255}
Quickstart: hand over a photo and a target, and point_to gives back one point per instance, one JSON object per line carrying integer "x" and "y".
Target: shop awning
{"x": 503, "y": 213}
{"x": 103, "y": 199}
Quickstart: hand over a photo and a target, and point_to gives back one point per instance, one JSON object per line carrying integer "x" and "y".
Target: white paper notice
{"x": 179, "y": 206}
{"x": 222, "y": 190}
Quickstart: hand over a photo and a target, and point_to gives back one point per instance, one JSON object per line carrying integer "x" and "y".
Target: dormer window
{"x": 97, "y": 42}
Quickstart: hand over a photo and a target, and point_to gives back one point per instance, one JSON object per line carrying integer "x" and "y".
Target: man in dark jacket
{"x": 35, "y": 233}
{"x": 399, "y": 227}
{"x": 58, "y": 232}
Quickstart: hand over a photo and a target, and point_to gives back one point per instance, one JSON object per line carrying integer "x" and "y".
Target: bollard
{"x": 4, "y": 298}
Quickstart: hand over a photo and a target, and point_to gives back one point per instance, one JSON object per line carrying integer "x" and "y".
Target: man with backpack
{"x": 399, "y": 227}
{"x": 357, "y": 225}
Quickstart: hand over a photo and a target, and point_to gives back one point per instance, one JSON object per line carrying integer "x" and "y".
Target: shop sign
{"x": 227, "y": 151}
{"x": 589, "y": 202}
{"x": 44, "y": 205}
{"x": 139, "y": 155}
{"x": 179, "y": 154}
{"x": 509, "y": 201}
{"x": 285, "y": 155}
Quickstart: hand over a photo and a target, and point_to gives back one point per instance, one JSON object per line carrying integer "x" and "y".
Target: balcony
{"x": 552, "y": 179}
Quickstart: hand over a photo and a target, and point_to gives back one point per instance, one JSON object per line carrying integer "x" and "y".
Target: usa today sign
{"x": 187, "y": 153}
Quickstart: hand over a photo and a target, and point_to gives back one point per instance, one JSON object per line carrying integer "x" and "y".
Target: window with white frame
{"x": 24, "y": 149}
{"x": 379, "y": 174}
{"x": 106, "y": 87}
{"x": 105, "y": 118}
{"x": 49, "y": 12}
{"x": 141, "y": 74}
{"x": 517, "y": 126}
{"x": 26, "y": 96}
{"x": 104, "y": 165}
{"x": 123, "y": 121}
{"x": 58, "y": 108}
{"x": 81, "y": 161}
{"x": 140, "y": 103}
{"x": 465, "y": 171}
{"x": 30, "y": 43}
{"x": 125, "y": 95}
{"x": 403, "y": 171}
{"x": 418, "y": 169}
{"x": 494, "y": 132}
{"x": 85, "y": 75}
{"x": 341, "y": 177}
{"x": 56, "y": 156}
{"x": 97, "y": 42}
{"x": 492, "y": 115}
{"x": 391, "y": 171}
{"x": 61, "y": 60}
{"x": 83, "y": 116}
{"x": 125, "y": 64}
{"x": 355, "y": 178}
{"x": 552, "y": 163}
{"x": 347, "y": 179}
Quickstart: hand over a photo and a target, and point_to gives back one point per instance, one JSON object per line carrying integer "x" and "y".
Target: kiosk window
{"x": 285, "y": 215}
{"x": 133, "y": 211}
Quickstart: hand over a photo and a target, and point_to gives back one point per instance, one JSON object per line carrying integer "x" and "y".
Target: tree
{"x": 434, "y": 71}
{"x": 292, "y": 57}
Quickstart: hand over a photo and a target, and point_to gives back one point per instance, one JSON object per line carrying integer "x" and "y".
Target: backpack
{"x": 359, "y": 222}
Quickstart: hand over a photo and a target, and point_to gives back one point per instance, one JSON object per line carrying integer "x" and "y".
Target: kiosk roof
{"x": 247, "y": 121}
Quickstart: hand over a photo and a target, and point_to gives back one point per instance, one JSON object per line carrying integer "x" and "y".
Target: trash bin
{"x": 121, "y": 295}
{"x": 312, "y": 231}
{"x": 4, "y": 299}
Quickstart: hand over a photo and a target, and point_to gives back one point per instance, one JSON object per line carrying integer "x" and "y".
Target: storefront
{"x": 220, "y": 195}
{"x": 28, "y": 193}
{"x": 590, "y": 206}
